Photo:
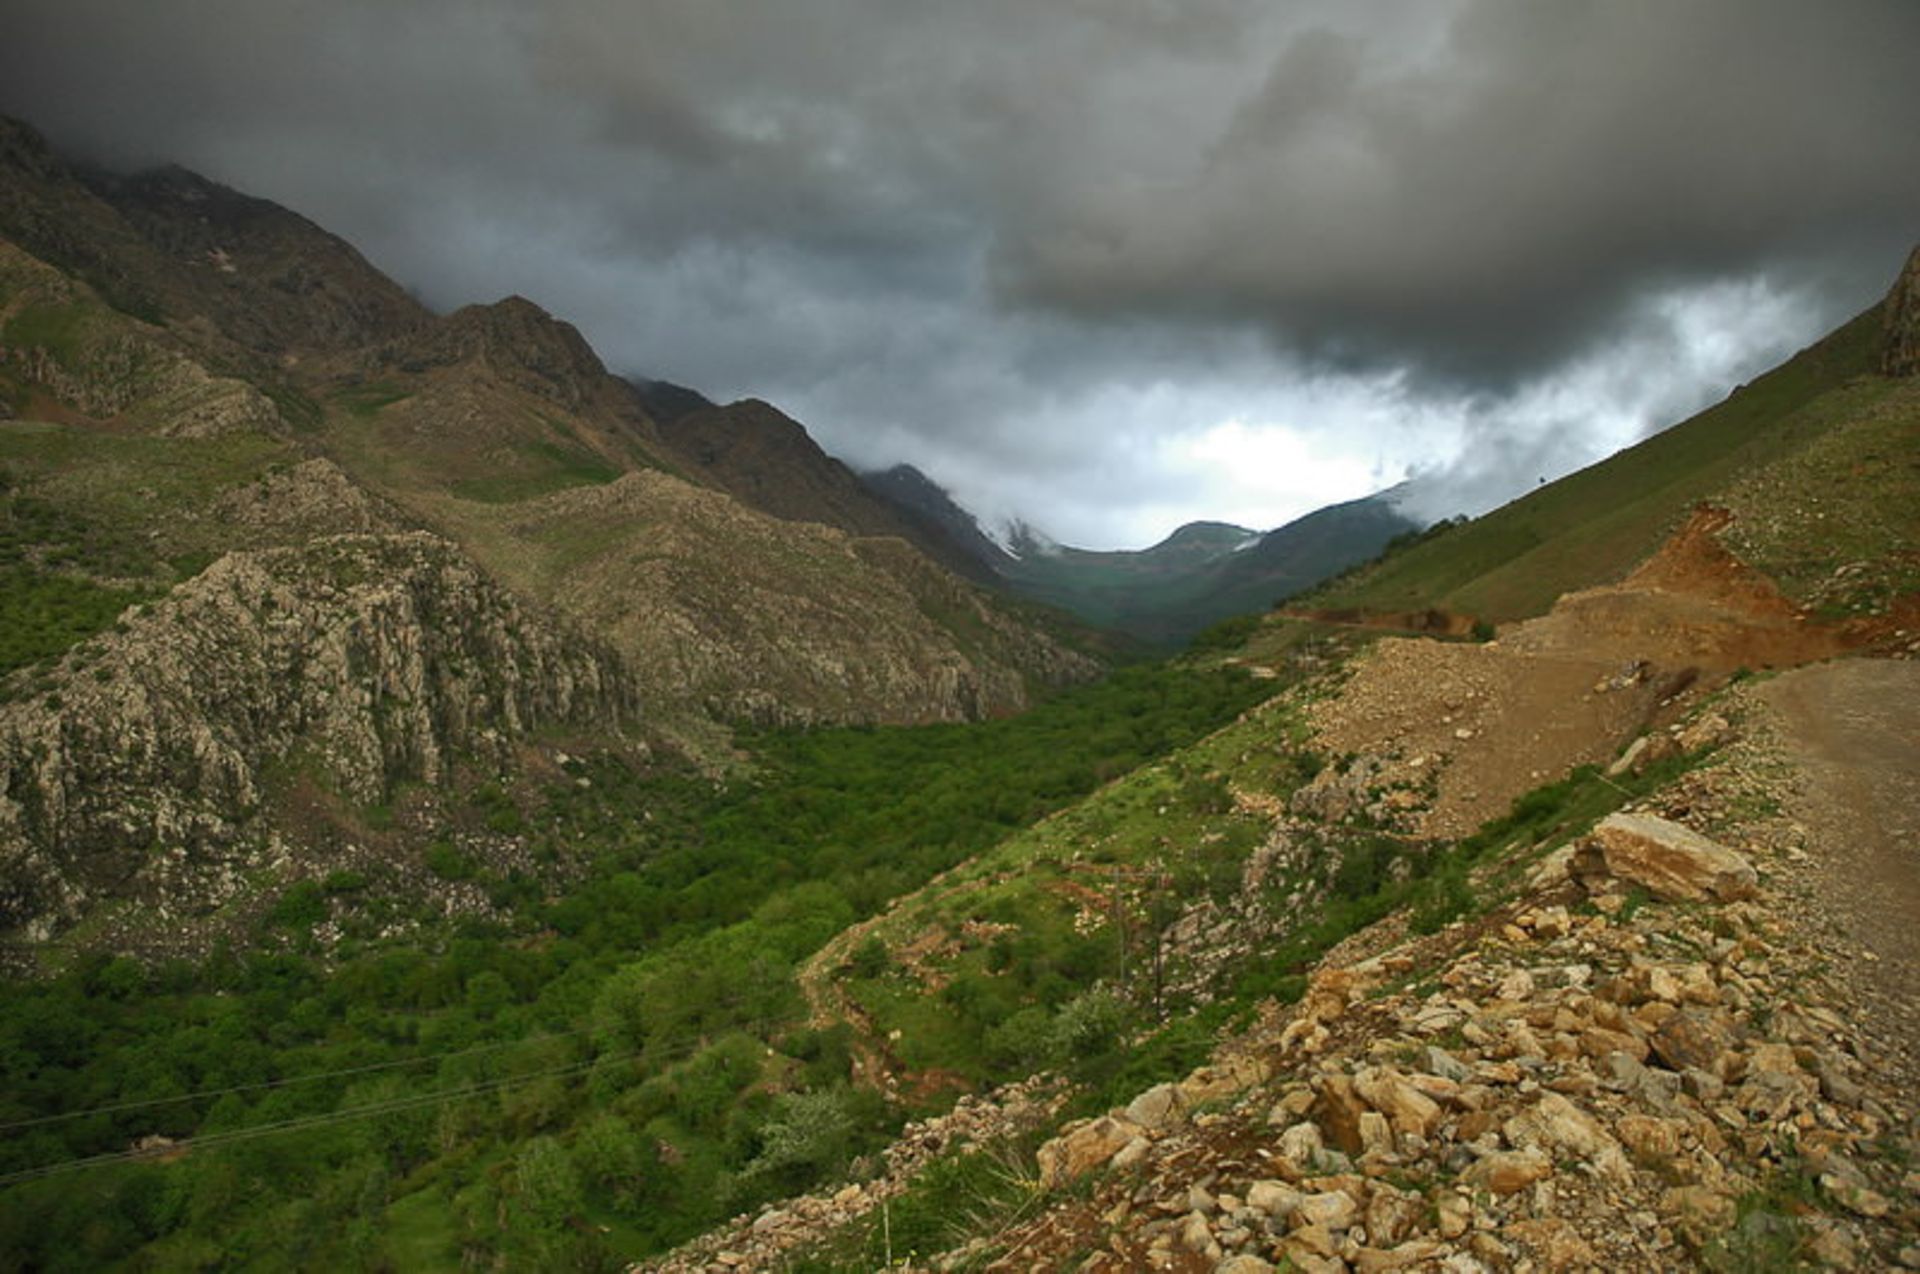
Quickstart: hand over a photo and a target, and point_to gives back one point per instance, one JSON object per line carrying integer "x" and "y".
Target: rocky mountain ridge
{"x": 375, "y": 547}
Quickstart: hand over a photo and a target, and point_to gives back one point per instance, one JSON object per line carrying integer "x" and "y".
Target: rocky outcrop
{"x": 1900, "y": 350}
{"x": 1671, "y": 861}
{"x": 361, "y": 661}
{"x": 725, "y": 610}
{"x": 517, "y": 341}
{"x": 63, "y": 340}
{"x": 1574, "y": 1079}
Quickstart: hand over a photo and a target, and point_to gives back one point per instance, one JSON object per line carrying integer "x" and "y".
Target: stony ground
{"x": 1852, "y": 733}
{"x": 1590, "y": 1076}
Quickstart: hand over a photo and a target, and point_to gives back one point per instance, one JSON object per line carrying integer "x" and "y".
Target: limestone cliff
{"x": 362, "y": 660}
{"x": 1900, "y": 356}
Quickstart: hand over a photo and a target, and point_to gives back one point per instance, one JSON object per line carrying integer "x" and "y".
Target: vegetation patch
{"x": 556, "y": 467}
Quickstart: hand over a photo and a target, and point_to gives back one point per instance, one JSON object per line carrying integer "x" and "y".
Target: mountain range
{"x": 461, "y": 807}
{"x": 1163, "y": 595}
{"x": 223, "y": 415}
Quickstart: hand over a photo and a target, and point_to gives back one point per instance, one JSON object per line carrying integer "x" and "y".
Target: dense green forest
{"x": 605, "y": 1073}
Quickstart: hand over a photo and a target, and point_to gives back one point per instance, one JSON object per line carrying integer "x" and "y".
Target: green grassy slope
{"x": 1595, "y": 525}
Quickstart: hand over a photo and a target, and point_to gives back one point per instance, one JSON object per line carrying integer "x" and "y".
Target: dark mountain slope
{"x": 765, "y": 459}
{"x": 927, "y": 505}
{"x": 226, "y": 271}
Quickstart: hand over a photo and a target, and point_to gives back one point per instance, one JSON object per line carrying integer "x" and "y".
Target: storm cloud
{"x": 1106, "y": 265}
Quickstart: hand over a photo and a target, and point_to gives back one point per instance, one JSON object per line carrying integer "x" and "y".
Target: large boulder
{"x": 1671, "y": 861}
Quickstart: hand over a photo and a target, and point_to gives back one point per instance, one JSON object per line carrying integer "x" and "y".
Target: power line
{"x": 386, "y": 1107}
{"x": 395, "y": 1105}
{"x": 290, "y": 1080}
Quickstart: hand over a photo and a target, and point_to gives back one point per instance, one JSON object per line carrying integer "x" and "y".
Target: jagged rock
{"x": 1392, "y": 1215}
{"x": 1370, "y": 1260}
{"x": 1330, "y": 1209}
{"x": 1507, "y": 1171}
{"x": 1900, "y": 348}
{"x": 1337, "y": 1113}
{"x": 382, "y": 658}
{"x": 1159, "y": 1106}
{"x": 1275, "y": 1198}
{"x": 1694, "y": 1040}
{"x": 1085, "y": 1148}
{"x": 1244, "y": 1263}
{"x": 1302, "y": 1144}
{"x": 1649, "y": 1138}
{"x": 1671, "y": 861}
{"x": 1391, "y": 1093}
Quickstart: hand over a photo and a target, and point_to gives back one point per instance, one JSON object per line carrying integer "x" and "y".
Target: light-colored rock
{"x": 1509, "y": 1171}
{"x": 1158, "y": 1107}
{"x": 1080, "y": 1151}
{"x": 1376, "y": 1134}
{"x": 1332, "y": 1209}
{"x": 1244, "y": 1263}
{"x": 1392, "y": 1215}
{"x": 1408, "y": 1255}
{"x": 1673, "y": 862}
{"x": 1302, "y": 1144}
{"x": 1390, "y": 1092}
{"x": 1557, "y": 1124}
{"x": 1649, "y": 1138}
{"x": 1275, "y": 1198}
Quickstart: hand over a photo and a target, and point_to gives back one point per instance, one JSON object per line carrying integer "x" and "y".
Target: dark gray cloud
{"x": 1070, "y": 256}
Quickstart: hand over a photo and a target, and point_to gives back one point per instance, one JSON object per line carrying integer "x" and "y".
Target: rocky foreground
{"x": 1650, "y": 1055}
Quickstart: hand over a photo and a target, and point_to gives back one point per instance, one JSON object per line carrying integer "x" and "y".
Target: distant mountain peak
{"x": 1209, "y": 535}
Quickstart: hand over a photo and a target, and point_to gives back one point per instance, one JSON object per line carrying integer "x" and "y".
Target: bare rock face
{"x": 364, "y": 659}
{"x": 1900, "y": 354}
{"x": 1675, "y": 863}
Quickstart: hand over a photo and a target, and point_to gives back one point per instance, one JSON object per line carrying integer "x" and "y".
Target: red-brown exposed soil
{"x": 1464, "y": 729}
{"x": 1692, "y": 604}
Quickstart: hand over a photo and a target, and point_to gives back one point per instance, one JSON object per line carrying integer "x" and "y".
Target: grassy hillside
{"x": 1593, "y": 526}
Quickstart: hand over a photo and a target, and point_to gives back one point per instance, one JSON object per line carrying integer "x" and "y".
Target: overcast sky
{"x": 1109, "y": 265}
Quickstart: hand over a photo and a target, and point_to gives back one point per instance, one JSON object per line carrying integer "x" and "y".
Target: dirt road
{"x": 1853, "y": 730}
